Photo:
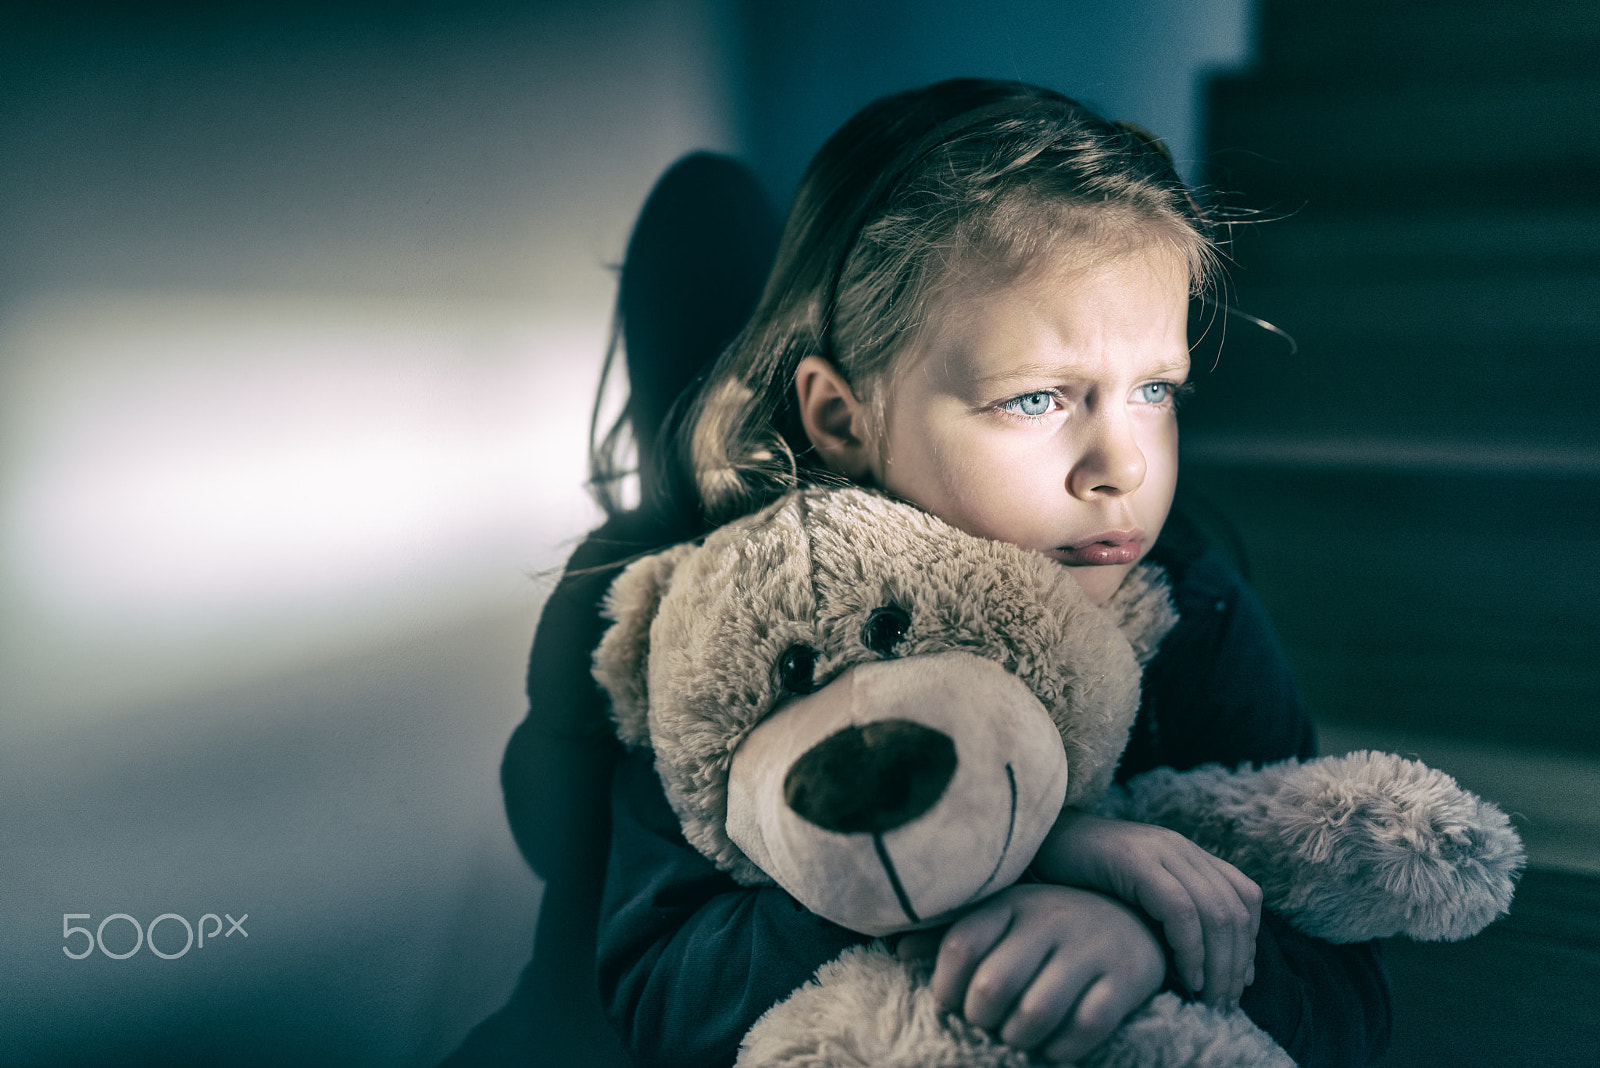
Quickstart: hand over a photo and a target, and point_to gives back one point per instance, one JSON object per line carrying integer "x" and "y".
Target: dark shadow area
{"x": 1417, "y": 487}
{"x": 1520, "y": 993}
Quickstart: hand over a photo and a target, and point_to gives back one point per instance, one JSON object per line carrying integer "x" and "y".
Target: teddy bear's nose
{"x": 871, "y": 778}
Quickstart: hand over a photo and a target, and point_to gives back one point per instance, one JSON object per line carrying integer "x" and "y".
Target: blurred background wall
{"x": 301, "y": 313}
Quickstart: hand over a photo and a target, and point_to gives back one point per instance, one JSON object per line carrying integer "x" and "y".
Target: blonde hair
{"x": 964, "y": 180}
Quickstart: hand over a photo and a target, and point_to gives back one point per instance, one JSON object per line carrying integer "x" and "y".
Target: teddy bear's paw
{"x": 1171, "y": 1033}
{"x": 866, "y": 1009}
{"x": 1364, "y": 845}
{"x": 1388, "y": 846}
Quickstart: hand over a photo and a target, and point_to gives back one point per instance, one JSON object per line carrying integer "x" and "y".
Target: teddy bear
{"x": 884, "y": 715}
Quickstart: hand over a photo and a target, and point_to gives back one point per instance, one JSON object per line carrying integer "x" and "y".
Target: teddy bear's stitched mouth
{"x": 894, "y": 877}
{"x": 1011, "y": 826}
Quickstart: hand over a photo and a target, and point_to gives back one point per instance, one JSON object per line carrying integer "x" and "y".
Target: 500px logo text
{"x": 146, "y": 936}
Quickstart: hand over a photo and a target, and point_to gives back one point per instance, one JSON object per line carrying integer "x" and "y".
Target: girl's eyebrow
{"x": 1033, "y": 371}
{"x": 1057, "y": 369}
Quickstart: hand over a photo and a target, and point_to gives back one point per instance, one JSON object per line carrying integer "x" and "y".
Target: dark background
{"x": 301, "y": 311}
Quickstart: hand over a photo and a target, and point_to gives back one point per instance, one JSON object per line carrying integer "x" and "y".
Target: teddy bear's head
{"x": 879, "y": 712}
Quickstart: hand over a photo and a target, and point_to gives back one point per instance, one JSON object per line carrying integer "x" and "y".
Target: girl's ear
{"x": 834, "y": 419}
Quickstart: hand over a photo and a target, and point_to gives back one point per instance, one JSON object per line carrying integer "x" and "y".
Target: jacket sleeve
{"x": 689, "y": 959}
{"x": 1220, "y": 690}
{"x": 1327, "y": 1005}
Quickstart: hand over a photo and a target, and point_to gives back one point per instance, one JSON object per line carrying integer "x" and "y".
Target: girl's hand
{"x": 1052, "y": 969}
{"x": 1209, "y": 910}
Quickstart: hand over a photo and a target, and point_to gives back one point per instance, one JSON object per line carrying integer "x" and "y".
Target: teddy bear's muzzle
{"x": 903, "y": 790}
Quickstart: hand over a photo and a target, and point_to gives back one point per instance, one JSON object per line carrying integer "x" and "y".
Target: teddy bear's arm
{"x": 1353, "y": 847}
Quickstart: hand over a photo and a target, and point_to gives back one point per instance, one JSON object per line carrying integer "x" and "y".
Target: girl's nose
{"x": 1112, "y": 462}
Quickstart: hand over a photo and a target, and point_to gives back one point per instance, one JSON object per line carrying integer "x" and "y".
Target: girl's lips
{"x": 1112, "y": 547}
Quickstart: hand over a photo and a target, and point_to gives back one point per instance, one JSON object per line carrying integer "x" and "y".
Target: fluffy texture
{"x": 693, "y": 660}
{"x": 1368, "y": 845}
{"x": 868, "y": 1010}
{"x": 885, "y": 714}
{"x": 898, "y": 1023}
{"x": 1168, "y": 1032}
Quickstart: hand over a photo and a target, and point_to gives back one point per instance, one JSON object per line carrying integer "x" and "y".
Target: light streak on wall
{"x": 200, "y": 471}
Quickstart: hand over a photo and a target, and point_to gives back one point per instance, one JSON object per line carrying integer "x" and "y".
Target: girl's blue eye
{"x": 1031, "y": 403}
{"x": 1154, "y": 392}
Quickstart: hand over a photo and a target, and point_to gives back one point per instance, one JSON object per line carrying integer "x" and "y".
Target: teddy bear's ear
{"x": 622, "y": 659}
{"x": 1143, "y": 609}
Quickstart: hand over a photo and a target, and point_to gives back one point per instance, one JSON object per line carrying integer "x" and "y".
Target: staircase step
{"x": 1462, "y": 605}
{"x": 1439, "y": 243}
{"x": 1442, "y": 41}
{"x": 1492, "y": 356}
{"x": 1522, "y": 144}
{"x": 1411, "y": 309}
{"x": 1416, "y": 488}
{"x": 1520, "y": 993}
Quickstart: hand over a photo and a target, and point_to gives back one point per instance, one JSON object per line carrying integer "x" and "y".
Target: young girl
{"x": 979, "y": 305}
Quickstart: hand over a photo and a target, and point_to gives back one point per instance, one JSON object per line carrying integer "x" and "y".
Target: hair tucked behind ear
{"x": 965, "y": 179}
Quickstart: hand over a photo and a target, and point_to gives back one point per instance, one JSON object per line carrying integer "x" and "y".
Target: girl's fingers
{"x": 997, "y": 985}
{"x": 1249, "y": 895}
{"x": 962, "y": 949}
{"x": 1248, "y": 891}
{"x": 1048, "y": 1001}
{"x": 1223, "y": 921}
{"x": 1102, "y": 1007}
{"x": 1209, "y": 912}
{"x": 1172, "y": 904}
{"x": 1201, "y": 911}
{"x": 1226, "y": 923}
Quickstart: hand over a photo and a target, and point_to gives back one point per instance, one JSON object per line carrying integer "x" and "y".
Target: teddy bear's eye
{"x": 885, "y": 628}
{"x": 796, "y": 667}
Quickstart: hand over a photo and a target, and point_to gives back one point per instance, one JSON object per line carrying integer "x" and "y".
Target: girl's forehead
{"x": 1130, "y": 308}
{"x": 1074, "y": 239}
{"x": 1159, "y": 271}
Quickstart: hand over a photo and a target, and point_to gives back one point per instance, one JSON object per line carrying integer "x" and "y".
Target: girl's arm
{"x": 689, "y": 959}
{"x": 1328, "y": 1005}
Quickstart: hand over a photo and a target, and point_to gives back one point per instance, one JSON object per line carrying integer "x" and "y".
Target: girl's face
{"x": 1042, "y": 413}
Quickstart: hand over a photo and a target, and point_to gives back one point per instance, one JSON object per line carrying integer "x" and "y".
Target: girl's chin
{"x": 1100, "y": 581}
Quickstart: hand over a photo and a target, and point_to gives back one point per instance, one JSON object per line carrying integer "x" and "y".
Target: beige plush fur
{"x": 1349, "y": 848}
{"x": 691, "y": 663}
{"x": 1366, "y": 845}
